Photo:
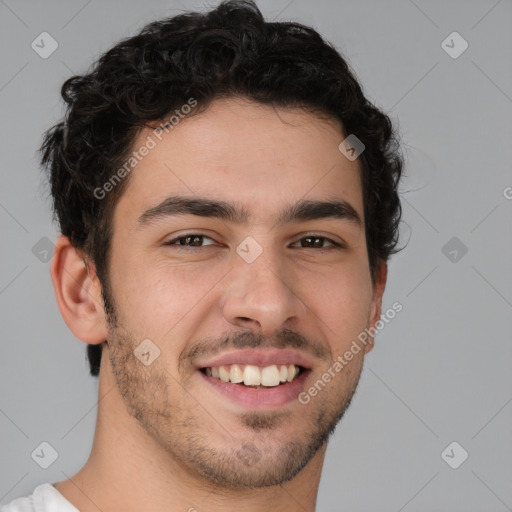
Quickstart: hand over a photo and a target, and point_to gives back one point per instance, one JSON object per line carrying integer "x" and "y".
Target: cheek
{"x": 343, "y": 301}
{"x": 162, "y": 298}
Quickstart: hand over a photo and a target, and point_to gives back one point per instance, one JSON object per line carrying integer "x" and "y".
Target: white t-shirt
{"x": 44, "y": 498}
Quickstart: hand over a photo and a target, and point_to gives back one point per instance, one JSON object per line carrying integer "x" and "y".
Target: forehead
{"x": 244, "y": 152}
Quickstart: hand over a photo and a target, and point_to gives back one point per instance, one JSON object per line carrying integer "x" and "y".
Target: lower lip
{"x": 260, "y": 398}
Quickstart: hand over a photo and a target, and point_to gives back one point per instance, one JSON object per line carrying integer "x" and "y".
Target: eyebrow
{"x": 301, "y": 211}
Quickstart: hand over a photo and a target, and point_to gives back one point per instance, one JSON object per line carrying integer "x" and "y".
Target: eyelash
{"x": 188, "y": 248}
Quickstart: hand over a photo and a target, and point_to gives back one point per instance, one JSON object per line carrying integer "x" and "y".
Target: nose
{"x": 260, "y": 295}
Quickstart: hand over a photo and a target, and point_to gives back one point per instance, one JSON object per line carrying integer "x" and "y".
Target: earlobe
{"x": 78, "y": 293}
{"x": 376, "y": 307}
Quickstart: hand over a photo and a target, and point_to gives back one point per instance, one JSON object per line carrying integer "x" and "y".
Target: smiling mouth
{"x": 255, "y": 377}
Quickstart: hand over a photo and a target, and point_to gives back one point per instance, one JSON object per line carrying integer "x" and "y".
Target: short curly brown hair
{"x": 226, "y": 52}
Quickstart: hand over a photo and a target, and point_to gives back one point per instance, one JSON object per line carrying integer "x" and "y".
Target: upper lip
{"x": 261, "y": 358}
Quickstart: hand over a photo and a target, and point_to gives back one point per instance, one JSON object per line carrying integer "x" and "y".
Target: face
{"x": 254, "y": 290}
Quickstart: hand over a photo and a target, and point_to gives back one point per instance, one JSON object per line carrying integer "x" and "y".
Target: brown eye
{"x": 189, "y": 240}
{"x": 316, "y": 242}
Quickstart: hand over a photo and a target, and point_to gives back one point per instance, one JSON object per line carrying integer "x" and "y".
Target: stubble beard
{"x": 179, "y": 427}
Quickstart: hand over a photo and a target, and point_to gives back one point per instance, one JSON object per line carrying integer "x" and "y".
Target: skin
{"x": 165, "y": 440}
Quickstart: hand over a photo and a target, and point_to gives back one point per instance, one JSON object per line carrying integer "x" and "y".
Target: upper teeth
{"x": 254, "y": 375}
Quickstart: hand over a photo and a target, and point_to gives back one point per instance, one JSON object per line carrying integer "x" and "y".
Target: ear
{"x": 376, "y": 306}
{"x": 78, "y": 293}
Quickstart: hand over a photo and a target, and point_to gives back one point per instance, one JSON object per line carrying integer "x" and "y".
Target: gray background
{"x": 440, "y": 371}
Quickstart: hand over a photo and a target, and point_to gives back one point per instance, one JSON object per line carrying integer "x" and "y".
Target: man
{"x": 228, "y": 201}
